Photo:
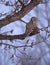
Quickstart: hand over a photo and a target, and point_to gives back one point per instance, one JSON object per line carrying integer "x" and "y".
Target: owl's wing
{"x": 29, "y": 28}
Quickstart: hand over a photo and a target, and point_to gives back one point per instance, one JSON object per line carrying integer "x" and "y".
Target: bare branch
{"x": 11, "y": 37}
{"x": 20, "y": 14}
{"x": 31, "y": 29}
{"x": 21, "y": 3}
{"x": 22, "y": 36}
{"x": 15, "y": 46}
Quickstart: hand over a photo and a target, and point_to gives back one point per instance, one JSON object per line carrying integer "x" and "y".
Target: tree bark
{"x": 21, "y": 36}
{"x": 20, "y": 14}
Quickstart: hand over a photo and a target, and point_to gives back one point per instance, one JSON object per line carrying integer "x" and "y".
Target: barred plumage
{"x": 31, "y": 25}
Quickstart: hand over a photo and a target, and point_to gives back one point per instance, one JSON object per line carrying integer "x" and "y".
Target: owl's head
{"x": 34, "y": 19}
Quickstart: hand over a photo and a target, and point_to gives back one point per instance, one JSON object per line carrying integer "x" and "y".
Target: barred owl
{"x": 31, "y": 26}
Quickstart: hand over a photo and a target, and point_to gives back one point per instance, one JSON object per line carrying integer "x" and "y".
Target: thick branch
{"x": 22, "y": 36}
{"x": 16, "y": 16}
{"x": 11, "y": 37}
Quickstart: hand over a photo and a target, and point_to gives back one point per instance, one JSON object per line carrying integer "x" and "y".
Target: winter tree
{"x": 24, "y": 32}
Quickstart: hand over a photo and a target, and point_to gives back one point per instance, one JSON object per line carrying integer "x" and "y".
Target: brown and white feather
{"x": 31, "y": 25}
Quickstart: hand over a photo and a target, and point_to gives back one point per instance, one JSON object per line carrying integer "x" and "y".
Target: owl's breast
{"x": 29, "y": 29}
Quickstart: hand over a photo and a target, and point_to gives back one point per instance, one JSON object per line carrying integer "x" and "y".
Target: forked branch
{"x": 20, "y": 14}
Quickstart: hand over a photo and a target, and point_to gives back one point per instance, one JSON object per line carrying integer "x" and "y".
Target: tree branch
{"x": 11, "y": 37}
{"x": 15, "y": 46}
{"x": 21, "y": 36}
{"x": 20, "y": 14}
{"x": 21, "y": 3}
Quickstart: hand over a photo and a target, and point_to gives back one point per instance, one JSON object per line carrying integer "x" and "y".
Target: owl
{"x": 31, "y": 26}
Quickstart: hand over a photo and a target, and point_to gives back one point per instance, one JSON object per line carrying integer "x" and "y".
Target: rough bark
{"x": 22, "y": 36}
{"x": 20, "y": 14}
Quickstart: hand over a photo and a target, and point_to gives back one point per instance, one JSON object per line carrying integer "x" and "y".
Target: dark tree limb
{"x": 20, "y": 14}
{"x": 22, "y": 36}
{"x": 11, "y": 37}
